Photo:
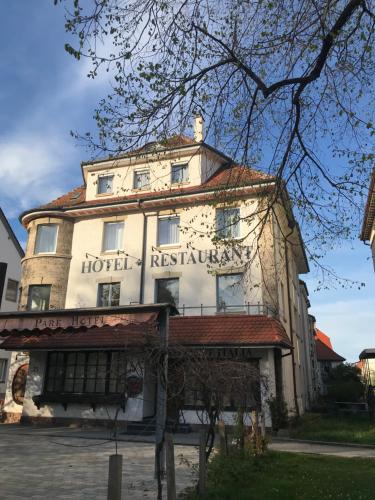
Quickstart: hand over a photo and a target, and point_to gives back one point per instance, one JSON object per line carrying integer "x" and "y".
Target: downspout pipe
{"x": 291, "y": 325}
{"x": 143, "y": 260}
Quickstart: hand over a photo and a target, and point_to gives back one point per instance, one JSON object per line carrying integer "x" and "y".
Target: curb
{"x": 326, "y": 443}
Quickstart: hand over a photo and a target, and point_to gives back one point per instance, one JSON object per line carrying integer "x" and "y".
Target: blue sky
{"x": 44, "y": 93}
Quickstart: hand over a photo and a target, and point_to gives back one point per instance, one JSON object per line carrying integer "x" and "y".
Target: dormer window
{"x": 105, "y": 184}
{"x": 46, "y": 238}
{"x": 141, "y": 179}
{"x": 180, "y": 173}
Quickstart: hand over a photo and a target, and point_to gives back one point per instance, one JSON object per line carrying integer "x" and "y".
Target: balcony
{"x": 247, "y": 308}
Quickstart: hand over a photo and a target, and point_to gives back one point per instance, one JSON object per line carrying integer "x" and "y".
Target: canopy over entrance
{"x": 76, "y": 328}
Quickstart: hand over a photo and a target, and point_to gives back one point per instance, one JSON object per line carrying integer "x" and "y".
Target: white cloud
{"x": 349, "y": 323}
{"x": 33, "y": 169}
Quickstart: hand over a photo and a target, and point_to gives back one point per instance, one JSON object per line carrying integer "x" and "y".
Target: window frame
{"x": 236, "y": 308}
{"x": 104, "y": 176}
{"x": 138, "y": 172}
{"x": 57, "y": 382}
{"x": 168, "y": 217}
{"x": 29, "y": 297}
{"x": 106, "y": 224}
{"x": 158, "y": 280}
{"x": 176, "y": 166}
{"x": 36, "y": 238}
{"x": 17, "y": 283}
{"x": 111, "y": 283}
{"x": 238, "y": 224}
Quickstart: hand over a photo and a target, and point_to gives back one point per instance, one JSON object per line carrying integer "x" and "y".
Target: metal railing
{"x": 246, "y": 308}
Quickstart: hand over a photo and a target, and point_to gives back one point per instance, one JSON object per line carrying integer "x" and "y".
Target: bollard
{"x": 114, "y": 477}
{"x": 202, "y": 463}
{"x": 170, "y": 469}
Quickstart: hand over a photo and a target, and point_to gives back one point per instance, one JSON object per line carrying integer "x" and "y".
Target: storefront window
{"x": 167, "y": 290}
{"x": 46, "y": 238}
{"x": 94, "y": 372}
{"x": 230, "y": 294}
{"x": 108, "y": 294}
{"x": 38, "y": 299}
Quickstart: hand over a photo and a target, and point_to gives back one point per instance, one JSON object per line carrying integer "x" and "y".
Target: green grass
{"x": 347, "y": 429}
{"x": 289, "y": 476}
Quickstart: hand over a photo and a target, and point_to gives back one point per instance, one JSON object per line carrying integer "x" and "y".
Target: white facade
{"x": 10, "y": 258}
{"x": 137, "y": 225}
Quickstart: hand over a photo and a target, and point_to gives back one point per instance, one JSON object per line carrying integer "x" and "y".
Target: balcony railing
{"x": 247, "y": 308}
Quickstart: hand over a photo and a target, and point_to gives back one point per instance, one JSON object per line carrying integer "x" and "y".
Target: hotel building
{"x": 173, "y": 222}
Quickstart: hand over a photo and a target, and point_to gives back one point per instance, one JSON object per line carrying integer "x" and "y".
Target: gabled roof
{"x": 323, "y": 338}
{"x": 11, "y": 234}
{"x": 226, "y": 177}
{"x": 325, "y": 353}
{"x": 174, "y": 142}
{"x": 369, "y": 217}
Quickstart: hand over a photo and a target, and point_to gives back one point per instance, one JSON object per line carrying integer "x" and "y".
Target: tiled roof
{"x": 369, "y": 218}
{"x": 218, "y": 330}
{"x": 227, "y": 330}
{"x": 325, "y": 353}
{"x": 234, "y": 176}
{"x": 323, "y": 338}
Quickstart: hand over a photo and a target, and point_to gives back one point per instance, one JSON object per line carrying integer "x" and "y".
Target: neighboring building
{"x": 326, "y": 356}
{"x": 11, "y": 254}
{"x": 368, "y": 226}
{"x": 174, "y": 222}
{"x": 366, "y": 364}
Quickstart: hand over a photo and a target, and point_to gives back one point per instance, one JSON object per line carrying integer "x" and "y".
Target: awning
{"x": 81, "y": 328}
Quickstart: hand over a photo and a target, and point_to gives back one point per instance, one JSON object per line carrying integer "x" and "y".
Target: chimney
{"x": 198, "y": 127}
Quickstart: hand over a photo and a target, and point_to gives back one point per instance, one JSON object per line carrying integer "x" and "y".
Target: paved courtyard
{"x": 48, "y": 464}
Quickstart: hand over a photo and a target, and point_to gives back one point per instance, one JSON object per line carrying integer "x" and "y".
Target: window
{"x": 167, "y": 290}
{"x": 38, "y": 299}
{"x": 141, "y": 179}
{"x": 168, "y": 230}
{"x": 230, "y": 295}
{"x": 113, "y": 236}
{"x": 180, "y": 173}
{"x": 3, "y": 369}
{"x": 105, "y": 184}
{"x": 228, "y": 222}
{"x": 108, "y": 294}
{"x": 46, "y": 238}
{"x": 12, "y": 290}
{"x": 103, "y": 372}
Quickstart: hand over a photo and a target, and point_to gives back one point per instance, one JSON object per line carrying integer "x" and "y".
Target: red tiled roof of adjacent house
{"x": 186, "y": 331}
{"x": 325, "y": 353}
{"x": 234, "y": 176}
{"x": 323, "y": 338}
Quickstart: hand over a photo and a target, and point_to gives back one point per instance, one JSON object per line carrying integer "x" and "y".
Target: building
{"x": 327, "y": 358}
{"x": 173, "y": 222}
{"x": 368, "y": 226}
{"x": 11, "y": 254}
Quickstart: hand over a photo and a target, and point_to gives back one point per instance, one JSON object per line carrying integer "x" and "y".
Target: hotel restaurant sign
{"x": 165, "y": 259}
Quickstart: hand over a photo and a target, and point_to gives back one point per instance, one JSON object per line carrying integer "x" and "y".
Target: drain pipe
{"x": 143, "y": 259}
{"x": 291, "y": 325}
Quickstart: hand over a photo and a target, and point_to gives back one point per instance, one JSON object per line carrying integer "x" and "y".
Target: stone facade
{"x": 48, "y": 269}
